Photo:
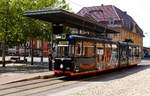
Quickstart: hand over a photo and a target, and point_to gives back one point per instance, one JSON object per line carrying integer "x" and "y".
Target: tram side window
{"x": 114, "y": 56}
{"x": 88, "y": 49}
{"x": 130, "y": 52}
{"x": 72, "y": 50}
{"x": 123, "y": 54}
{"x": 78, "y": 49}
{"x": 133, "y": 53}
{"x": 100, "y": 51}
{"x": 140, "y": 51}
{"x": 108, "y": 50}
{"x": 137, "y": 51}
{"x": 62, "y": 51}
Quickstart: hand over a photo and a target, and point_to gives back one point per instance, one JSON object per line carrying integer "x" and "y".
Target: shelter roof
{"x": 69, "y": 19}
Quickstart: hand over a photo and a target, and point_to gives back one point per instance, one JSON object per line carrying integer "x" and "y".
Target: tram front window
{"x": 63, "y": 51}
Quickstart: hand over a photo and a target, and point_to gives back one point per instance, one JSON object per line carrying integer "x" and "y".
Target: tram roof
{"x": 93, "y": 39}
{"x": 104, "y": 40}
{"x": 69, "y": 19}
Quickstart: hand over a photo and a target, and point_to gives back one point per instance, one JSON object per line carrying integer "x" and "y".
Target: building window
{"x": 111, "y": 21}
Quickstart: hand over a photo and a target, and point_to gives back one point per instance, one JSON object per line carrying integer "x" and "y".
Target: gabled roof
{"x": 106, "y": 12}
{"x": 102, "y": 13}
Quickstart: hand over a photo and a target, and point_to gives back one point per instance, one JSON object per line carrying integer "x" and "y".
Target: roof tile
{"x": 105, "y": 12}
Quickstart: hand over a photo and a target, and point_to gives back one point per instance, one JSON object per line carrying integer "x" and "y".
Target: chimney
{"x": 125, "y": 12}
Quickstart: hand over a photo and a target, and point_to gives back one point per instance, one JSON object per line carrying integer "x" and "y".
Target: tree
{"x": 8, "y": 25}
{"x": 39, "y": 29}
{"x": 17, "y": 28}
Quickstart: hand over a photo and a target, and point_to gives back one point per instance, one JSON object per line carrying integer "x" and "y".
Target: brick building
{"x": 40, "y": 48}
{"x": 38, "y": 45}
{"x": 117, "y": 19}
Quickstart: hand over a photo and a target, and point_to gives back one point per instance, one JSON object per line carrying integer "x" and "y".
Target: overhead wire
{"x": 76, "y": 4}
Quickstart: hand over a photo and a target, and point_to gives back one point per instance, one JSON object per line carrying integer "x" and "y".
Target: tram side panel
{"x": 89, "y": 57}
{"x": 107, "y": 55}
{"x": 123, "y": 55}
{"x": 111, "y": 55}
{"x": 84, "y": 59}
{"x": 134, "y": 55}
{"x": 114, "y": 56}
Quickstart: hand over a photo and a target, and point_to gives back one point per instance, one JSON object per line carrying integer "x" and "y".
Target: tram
{"x": 77, "y": 53}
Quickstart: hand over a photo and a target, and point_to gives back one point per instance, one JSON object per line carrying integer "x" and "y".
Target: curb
{"x": 27, "y": 78}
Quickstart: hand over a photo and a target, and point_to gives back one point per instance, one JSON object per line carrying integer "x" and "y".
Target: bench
{"x": 16, "y": 58}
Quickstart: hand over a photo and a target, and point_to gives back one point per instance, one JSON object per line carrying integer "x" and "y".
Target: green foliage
{"x": 15, "y": 27}
{"x": 39, "y": 29}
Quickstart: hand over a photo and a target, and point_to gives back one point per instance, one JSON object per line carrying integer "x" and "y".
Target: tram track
{"x": 37, "y": 86}
{"x": 19, "y": 84}
{"x": 19, "y": 87}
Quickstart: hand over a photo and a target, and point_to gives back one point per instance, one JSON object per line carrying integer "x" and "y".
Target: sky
{"x": 139, "y": 10}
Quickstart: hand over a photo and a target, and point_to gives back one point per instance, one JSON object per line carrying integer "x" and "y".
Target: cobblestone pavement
{"x": 25, "y": 67}
{"x": 17, "y": 69}
{"x": 137, "y": 84}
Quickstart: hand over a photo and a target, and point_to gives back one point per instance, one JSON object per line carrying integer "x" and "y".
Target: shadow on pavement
{"x": 119, "y": 73}
{"x": 146, "y": 58}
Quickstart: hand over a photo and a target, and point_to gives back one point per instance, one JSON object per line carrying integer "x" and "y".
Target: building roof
{"x": 106, "y": 12}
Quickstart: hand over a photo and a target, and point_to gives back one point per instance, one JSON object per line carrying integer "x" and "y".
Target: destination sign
{"x": 63, "y": 42}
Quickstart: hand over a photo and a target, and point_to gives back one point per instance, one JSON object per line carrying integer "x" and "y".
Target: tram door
{"x": 123, "y": 55}
{"x": 100, "y": 55}
{"x": 100, "y": 58}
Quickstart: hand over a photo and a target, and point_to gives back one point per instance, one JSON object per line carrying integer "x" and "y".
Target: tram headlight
{"x": 61, "y": 66}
